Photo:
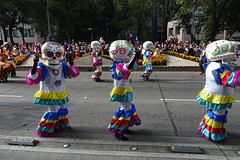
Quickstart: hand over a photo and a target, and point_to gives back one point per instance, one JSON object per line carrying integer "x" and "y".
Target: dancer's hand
{"x": 35, "y": 62}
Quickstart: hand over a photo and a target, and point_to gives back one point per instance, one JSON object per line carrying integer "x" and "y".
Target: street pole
{"x": 49, "y": 25}
{"x": 193, "y": 23}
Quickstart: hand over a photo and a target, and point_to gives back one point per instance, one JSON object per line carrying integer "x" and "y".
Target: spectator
{"x": 203, "y": 59}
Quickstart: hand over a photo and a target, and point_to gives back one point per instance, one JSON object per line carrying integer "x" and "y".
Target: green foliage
{"x": 214, "y": 16}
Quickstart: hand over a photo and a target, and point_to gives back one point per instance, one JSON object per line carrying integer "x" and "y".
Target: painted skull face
{"x": 95, "y": 45}
{"x": 221, "y": 50}
{"x": 53, "y": 53}
{"x": 148, "y": 45}
{"x": 121, "y": 50}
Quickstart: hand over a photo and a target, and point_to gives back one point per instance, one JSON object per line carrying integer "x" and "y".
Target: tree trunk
{"x": 11, "y": 35}
{"x": 4, "y": 33}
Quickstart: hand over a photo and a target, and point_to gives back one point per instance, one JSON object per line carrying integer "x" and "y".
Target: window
{"x": 8, "y": 33}
{"x": 178, "y": 30}
{"x": 31, "y": 33}
{"x": 25, "y": 33}
{"x": 171, "y": 31}
{"x": 15, "y": 33}
{"x": 197, "y": 30}
{"x": 42, "y": 34}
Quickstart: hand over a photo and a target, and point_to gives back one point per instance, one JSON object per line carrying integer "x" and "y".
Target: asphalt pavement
{"x": 166, "y": 104}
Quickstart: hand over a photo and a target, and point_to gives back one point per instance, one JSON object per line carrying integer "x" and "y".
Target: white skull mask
{"x": 148, "y": 45}
{"x": 52, "y": 53}
{"x": 95, "y": 45}
{"x": 121, "y": 50}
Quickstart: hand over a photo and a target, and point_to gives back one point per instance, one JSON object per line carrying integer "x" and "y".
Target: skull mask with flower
{"x": 52, "y": 53}
{"x": 95, "y": 45}
{"x": 222, "y": 50}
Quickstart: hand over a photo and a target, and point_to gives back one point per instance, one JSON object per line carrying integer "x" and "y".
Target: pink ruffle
{"x": 236, "y": 81}
{"x": 74, "y": 74}
{"x": 35, "y": 81}
{"x": 124, "y": 71}
{"x": 45, "y": 134}
{"x": 98, "y": 62}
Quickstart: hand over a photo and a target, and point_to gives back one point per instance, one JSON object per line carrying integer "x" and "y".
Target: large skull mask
{"x": 52, "y": 53}
{"x": 121, "y": 50}
{"x": 148, "y": 45}
{"x": 95, "y": 45}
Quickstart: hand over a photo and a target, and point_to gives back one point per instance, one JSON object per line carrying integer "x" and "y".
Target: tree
{"x": 212, "y": 15}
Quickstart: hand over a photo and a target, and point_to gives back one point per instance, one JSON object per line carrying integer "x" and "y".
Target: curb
{"x": 140, "y": 68}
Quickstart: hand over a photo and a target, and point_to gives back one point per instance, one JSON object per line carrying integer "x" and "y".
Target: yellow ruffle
{"x": 212, "y": 123}
{"x": 121, "y": 91}
{"x": 147, "y": 62}
{"x": 224, "y": 73}
{"x": 218, "y": 99}
{"x": 48, "y": 121}
{"x": 124, "y": 118}
{"x": 52, "y": 95}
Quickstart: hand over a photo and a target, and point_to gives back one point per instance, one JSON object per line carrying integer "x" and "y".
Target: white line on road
{"x": 10, "y": 96}
{"x": 108, "y": 153}
{"x": 187, "y": 100}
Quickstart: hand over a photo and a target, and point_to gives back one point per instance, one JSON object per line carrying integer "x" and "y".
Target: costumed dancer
{"x": 8, "y": 49}
{"x": 147, "y": 52}
{"x": 37, "y": 49}
{"x": 218, "y": 93}
{"x": 97, "y": 60}
{"x": 53, "y": 93}
{"x": 126, "y": 116}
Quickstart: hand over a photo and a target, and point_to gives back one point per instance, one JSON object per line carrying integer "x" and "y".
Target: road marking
{"x": 10, "y": 96}
{"x": 188, "y": 100}
{"x": 108, "y": 153}
{"x": 173, "y": 81}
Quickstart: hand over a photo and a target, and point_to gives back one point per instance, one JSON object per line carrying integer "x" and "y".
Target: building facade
{"x": 173, "y": 29}
{"x": 30, "y": 36}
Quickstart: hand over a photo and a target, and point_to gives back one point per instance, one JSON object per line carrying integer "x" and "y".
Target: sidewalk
{"x": 85, "y": 64}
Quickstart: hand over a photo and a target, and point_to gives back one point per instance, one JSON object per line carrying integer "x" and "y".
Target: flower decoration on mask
{"x": 52, "y": 53}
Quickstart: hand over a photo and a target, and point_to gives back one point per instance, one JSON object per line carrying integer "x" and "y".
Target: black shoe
{"x": 127, "y": 131}
{"x": 120, "y": 137}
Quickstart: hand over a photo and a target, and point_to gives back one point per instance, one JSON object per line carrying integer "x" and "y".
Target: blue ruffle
{"x": 113, "y": 69}
{"x": 44, "y": 70}
{"x": 123, "y": 113}
{"x": 219, "y": 118}
{"x": 65, "y": 68}
{"x": 63, "y": 112}
{"x": 51, "y": 115}
{"x": 214, "y": 106}
{"x": 125, "y": 98}
{"x": 51, "y": 101}
{"x": 148, "y": 70}
{"x": 205, "y": 65}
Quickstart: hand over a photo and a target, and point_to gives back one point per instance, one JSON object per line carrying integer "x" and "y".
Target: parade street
{"x": 166, "y": 104}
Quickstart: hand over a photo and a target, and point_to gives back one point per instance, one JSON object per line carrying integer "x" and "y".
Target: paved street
{"x": 166, "y": 104}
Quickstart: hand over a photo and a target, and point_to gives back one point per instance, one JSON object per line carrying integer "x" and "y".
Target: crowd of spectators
{"x": 188, "y": 48}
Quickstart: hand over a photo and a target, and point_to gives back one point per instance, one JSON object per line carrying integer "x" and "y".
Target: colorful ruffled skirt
{"x": 122, "y": 120}
{"x": 147, "y": 73}
{"x": 213, "y": 127}
{"x": 96, "y": 75}
{"x": 52, "y": 122}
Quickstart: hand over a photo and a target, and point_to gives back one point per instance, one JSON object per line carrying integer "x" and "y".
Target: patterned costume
{"x": 52, "y": 92}
{"x": 97, "y": 61}
{"x": 218, "y": 93}
{"x": 147, "y": 55}
{"x": 126, "y": 115}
